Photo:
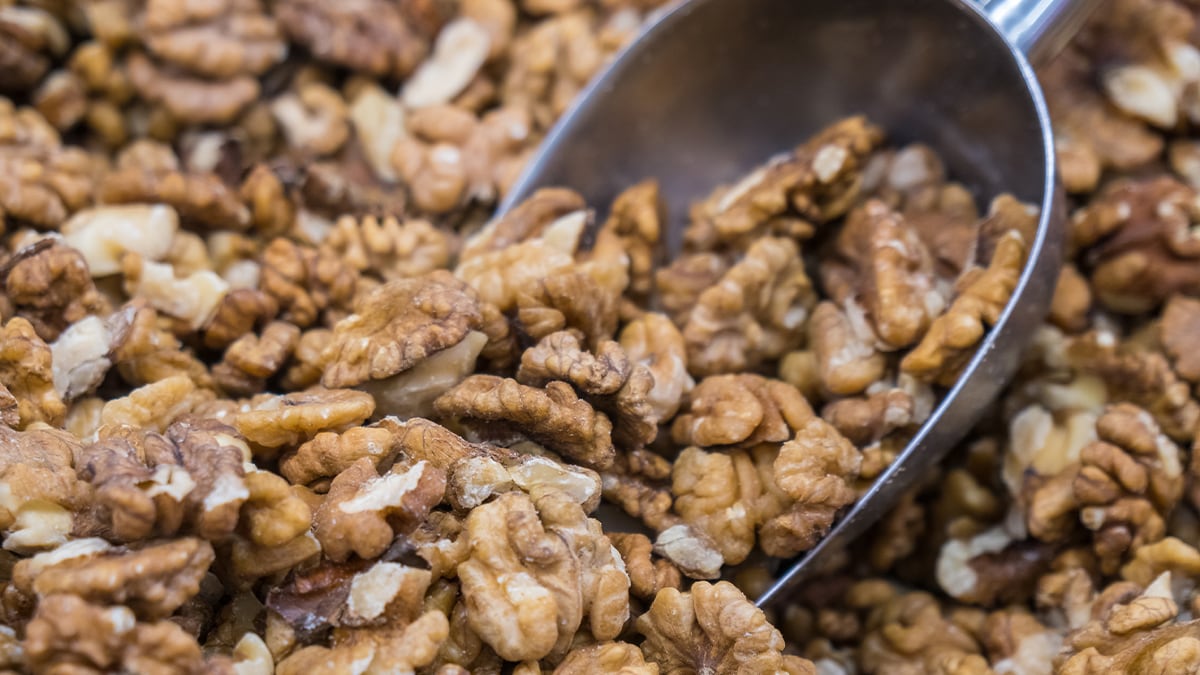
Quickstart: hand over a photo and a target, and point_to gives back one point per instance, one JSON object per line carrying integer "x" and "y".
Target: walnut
{"x": 453, "y": 157}
{"x": 276, "y": 421}
{"x": 909, "y": 633}
{"x": 535, "y": 572}
{"x": 399, "y": 648}
{"x": 271, "y": 210}
{"x": 42, "y": 181}
{"x": 200, "y": 199}
{"x": 713, "y": 628}
{"x": 461, "y": 48}
{"x": 313, "y": 118}
{"x": 740, "y": 411}
{"x": 1180, "y": 322}
{"x": 26, "y": 371}
{"x": 329, "y": 453}
{"x": 755, "y": 312}
{"x": 144, "y": 352}
{"x": 370, "y": 36}
{"x": 636, "y": 221}
{"x": 1143, "y": 378}
{"x": 721, "y": 496}
{"x": 550, "y": 64}
{"x": 653, "y": 341}
{"x": 48, "y": 284}
{"x": 273, "y": 513}
{"x": 1166, "y": 555}
{"x": 883, "y": 264}
{"x": 307, "y": 366}
{"x": 364, "y": 511}
{"x": 147, "y": 485}
{"x": 1147, "y": 250}
{"x": 152, "y": 581}
{"x": 306, "y": 282}
{"x": 553, "y": 416}
{"x": 390, "y": 249}
{"x": 606, "y": 657}
{"x": 69, "y": 634}
{"x": 378, "y": 120}
{"x": 41, "y": 500}
{"x": 991, "y": 566}
{"x": 221, "y": 41}
{"x": 585, "y": 298}
{"x": 815, "y": 471}
{"x": 953, "y": 336}
{"x": 252, "y": 359}
{"x": 192, "y": 299}
{"x": 844, "y": 348}
{"x": 1072, "y": 300}
{"x": 104, "y": 233}
{"x": 647, "y": 576}
{"x": 32, "y": 36}
{"x": 1091, "y": 136}
{"x": 607, "y": 379}
{"x": 868, "y": 419}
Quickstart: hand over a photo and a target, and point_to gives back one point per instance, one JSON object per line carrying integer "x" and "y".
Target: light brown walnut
{"x": 25, "y": 370}
{"x": 740, "y": 411}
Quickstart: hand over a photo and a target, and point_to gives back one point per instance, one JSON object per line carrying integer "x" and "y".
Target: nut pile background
{"x": 239, "y": 235}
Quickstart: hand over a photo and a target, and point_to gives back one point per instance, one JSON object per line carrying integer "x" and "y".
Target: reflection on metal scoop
{"x": 715, "y": 87}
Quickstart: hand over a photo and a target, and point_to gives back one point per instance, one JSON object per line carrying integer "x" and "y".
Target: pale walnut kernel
{"x": 314, "y": 119}
{"x": 740, "y": 411}
{"x": 103, "y": 234}
{"x": 554, "y": 416}
{"x": 713, "y": 628}
{"x": 26, "y": 371}
{"x": 364, "y": 511}
{"x": 755, "y": 312}
{"x": 275, "y": 421}
{"x": 953, "y": 336}
{"x": 844, "y": 348}
{"x": 192, "y": 299}
{"x": 460, "y": 50}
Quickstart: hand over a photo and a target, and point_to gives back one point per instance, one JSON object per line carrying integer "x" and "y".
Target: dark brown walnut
{"x": 606, "y": 378}
{"x": 882, "y": 263}
{"x": 370, "y": 36}
{"x": 31, "y": 37}
{"x": 713, "y": 628}
{"x": 48, "y": 284}
{"x": 69, "y": 634}
{"x": 201, "y": 199}
{"x": 953, "y": 336}
{"x": 553, "y": 416}
{"x": 188, "y": 481}
{"x": 1139, "y": 247}
{"x": 399, "y": 324}
{"x": 333, "y": 189}
{"x": 740, "y": 411}
{"x": 1179, "y": 334}
{"x": 306, "y": 283}
{"x": 153, "y": 581}
{"x": 365, "y": 511}
{"x": 25, "y": 370}
{"x": 756, "y": 312}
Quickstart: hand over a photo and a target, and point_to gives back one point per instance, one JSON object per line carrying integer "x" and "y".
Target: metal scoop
{"x": 715, "y": 87}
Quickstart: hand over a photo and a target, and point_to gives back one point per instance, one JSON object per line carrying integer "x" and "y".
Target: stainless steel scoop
{"x": 715, "y": 87}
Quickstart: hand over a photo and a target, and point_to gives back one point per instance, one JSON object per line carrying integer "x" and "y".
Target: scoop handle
{"x": 1039, "y": 28}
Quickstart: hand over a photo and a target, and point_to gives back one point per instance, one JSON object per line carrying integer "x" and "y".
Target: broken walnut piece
{"x": 25, "y": 370}
{"x": 364, "y": 510}
{"x": 145, "y": 352}
{"x": 953, "y": 336}
{"x": 329, "y": 453}
{"x": 43, "y": 501}
{"x": 369, "y": 36}
{"x": 389, "y": 248}
{"x": 272, "y": 421}
{"x": 843, "y": 344}
{"x": 252, "y": 359}
{"x": 306, "y": 283}
{"x": 1180, "y": 329}
{"x": 756, "y": 312}
{"x": 554, "y": 416}
{"x": 713, "y": 628}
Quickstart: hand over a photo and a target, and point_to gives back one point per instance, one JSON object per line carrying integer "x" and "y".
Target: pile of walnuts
{"x": 278, "y": 394}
